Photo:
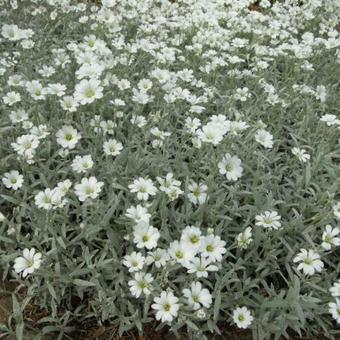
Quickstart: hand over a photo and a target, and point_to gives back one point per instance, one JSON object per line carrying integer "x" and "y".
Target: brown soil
{"x": 5, "y": 303}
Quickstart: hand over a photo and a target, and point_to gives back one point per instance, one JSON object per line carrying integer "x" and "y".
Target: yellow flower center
{"x": 209, "y": 248}
{"x": 143, "y": 284}
{"x": 29, "y": 263}
{"x": 88, "y": 191}
{"x": 308, "y": 261}
{"x": 194, "y": 239}
{"x": 89, "y": 93}
{"x": 228, "y": 167}
{"x": 328, "y": 239}
{"x": 267, "y": 220}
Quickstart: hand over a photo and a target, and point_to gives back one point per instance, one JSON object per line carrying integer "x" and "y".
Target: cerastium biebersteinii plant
{"x": 174, "y": 163}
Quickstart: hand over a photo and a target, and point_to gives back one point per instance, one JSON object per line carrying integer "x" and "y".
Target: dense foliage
{"x": 171, "y": 161}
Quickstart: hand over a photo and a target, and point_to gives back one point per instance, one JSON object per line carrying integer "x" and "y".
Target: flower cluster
{"x": 196, "y": 253}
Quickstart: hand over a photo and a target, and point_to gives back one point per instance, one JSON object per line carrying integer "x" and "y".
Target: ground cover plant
{"x": 170, "y": 163}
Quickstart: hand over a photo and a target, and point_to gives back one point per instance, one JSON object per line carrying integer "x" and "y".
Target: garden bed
{"x": 169, "y": 169}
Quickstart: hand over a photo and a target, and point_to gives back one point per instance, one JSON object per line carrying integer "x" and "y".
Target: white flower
{"x": 138, "y": 213}
{"x": 123, "y": 84}
{"x": 87, "y": 91}
{"x": 335, "y": 289}
{"x": 159, "y": 257}
{"x": 16, "y": 80}
{"x": 91, "y": 42}
{"x": 201, "y": 314}
{"x": 13, "y": 180}
{"x": 336, "y": 210}
{"x": 11, "y": 98}
{"x": 144, "y": 85}
{"x": 63, "y": 153}
{"x": 242, "y": 317}
{"x": 269, "y": 219}
{"x": 310, "y": 261}
{"x": 18, "y": 116}
{"x": 237, "y": 126}
{"x": 68, "y": 137}
{"x": 40, "y": 131}
{"x": 230, "y": 166}
{"x": 321, "y": 93}
{"x": 244, "y": 238}
{"x": 196, "y": 142}
{"x": 161, "y": 75}
{"x": 329, "y": 237}
{"x": 213, "y": 248}
{"x": 27, "y": 44}
{"x": 166, "y": 306}
{"x": 68, "y": 103}
{"x": 95, "y": 122}
{"x": 81, "y": 164}
{"x": 36, "y": 90}
{"x": 11, "y": 32}
{"x": 181, "y": 252}
{"x": 221, "y": 122}
{"x": 140, "y": 121}
{"x": 145, "y": 235}
{"x": 168, "y": 183}
{"x": 56, "y": 89}
{"x": 49, "y": 199}
{"x": 191, "y": 236}
{"x": 88, "y": 188}
{"x": 64, "y": 186}
{"x": 301, "y": 154}
{"x": 143, "y": 187}
{"x": 141, "y": 97}
{"x": 25, "y": 145}
{"x": 211, "y": 133}
{"x": 92, "y": 71}
{"x": 108, "y": 128}
{"x": 46, "y": 71}
{"x": 242, "y": 94}
{"x": 134, "y": 261}
{"x": 330, "y": 119}
{"x": 159, "y": 134}
{"x": 174, "y": 193}
{"x": 27, "y": 124}
{"x": 141, "y": 284}
{"x": 198, "y": 193}
{"x": 108, "y": 3}
{"x": 156, "y": 143}
{"x": 112, "y": 147}
{"x": 192, "y": 124}
{"x": 198, "y": 296}
{"x": 264, "y": 138}
{"x": 200, "y": 266}
{"x": 170, "y": 186}
{"x": 28, "y": 263}
{"x": 334, "y": 310}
